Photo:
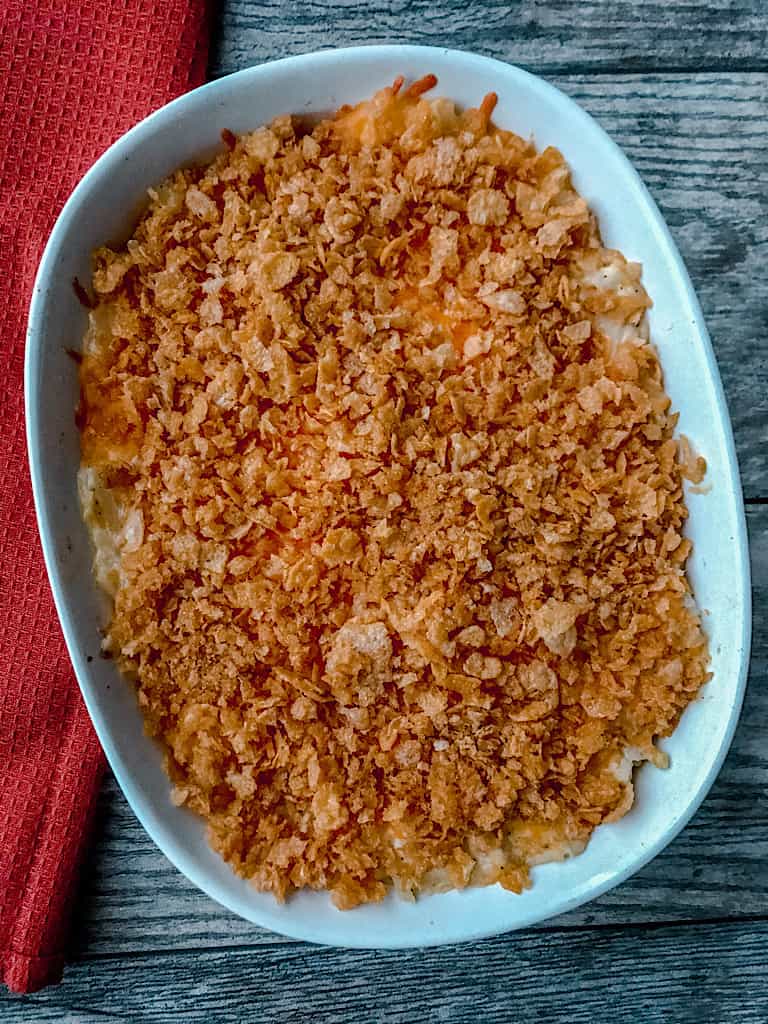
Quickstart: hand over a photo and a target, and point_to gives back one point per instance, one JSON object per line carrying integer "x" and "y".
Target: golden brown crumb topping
{"x": 386, "y": 463}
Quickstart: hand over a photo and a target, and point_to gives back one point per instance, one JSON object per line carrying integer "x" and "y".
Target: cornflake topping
{"x": 381, "y": 474}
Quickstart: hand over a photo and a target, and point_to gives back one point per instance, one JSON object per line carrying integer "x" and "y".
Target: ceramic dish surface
{"x": 103, "y": 209}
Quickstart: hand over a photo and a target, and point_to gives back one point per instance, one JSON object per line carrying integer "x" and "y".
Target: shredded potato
{"x": 381, "y": 474}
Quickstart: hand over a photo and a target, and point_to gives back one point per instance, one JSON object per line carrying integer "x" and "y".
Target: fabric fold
{"x": 73, "y": 78}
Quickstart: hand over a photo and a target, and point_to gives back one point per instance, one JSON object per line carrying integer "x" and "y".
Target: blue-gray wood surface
{"x": 683, "y": 88}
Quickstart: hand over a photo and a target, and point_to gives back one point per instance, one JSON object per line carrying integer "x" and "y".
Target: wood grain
{"x": 132, "y": 898}
{"x": 710, "y": 973}
{"x": 682, "y": 86}
{"x": 542, "y": 35}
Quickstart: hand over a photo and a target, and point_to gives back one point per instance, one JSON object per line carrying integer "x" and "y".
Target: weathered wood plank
{"x": 543, "y": 35}
{"x": 703, "y": 974}
{"x": 132, "y": 899}
{"x": 701, "y": 143}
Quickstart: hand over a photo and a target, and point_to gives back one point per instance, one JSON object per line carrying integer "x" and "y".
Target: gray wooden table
{"x": 683, "y": 88}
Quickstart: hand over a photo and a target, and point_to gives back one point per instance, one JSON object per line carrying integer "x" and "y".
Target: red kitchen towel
{"x": 73, "y": 77}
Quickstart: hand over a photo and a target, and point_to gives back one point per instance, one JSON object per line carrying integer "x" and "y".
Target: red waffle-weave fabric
{"x": 73, "y": 77}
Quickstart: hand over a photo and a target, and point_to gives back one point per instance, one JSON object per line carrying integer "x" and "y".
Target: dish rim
{"x": 35, "y": 340}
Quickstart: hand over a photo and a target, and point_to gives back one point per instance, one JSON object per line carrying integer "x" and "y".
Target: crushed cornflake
{"x": 381, "y": 473}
